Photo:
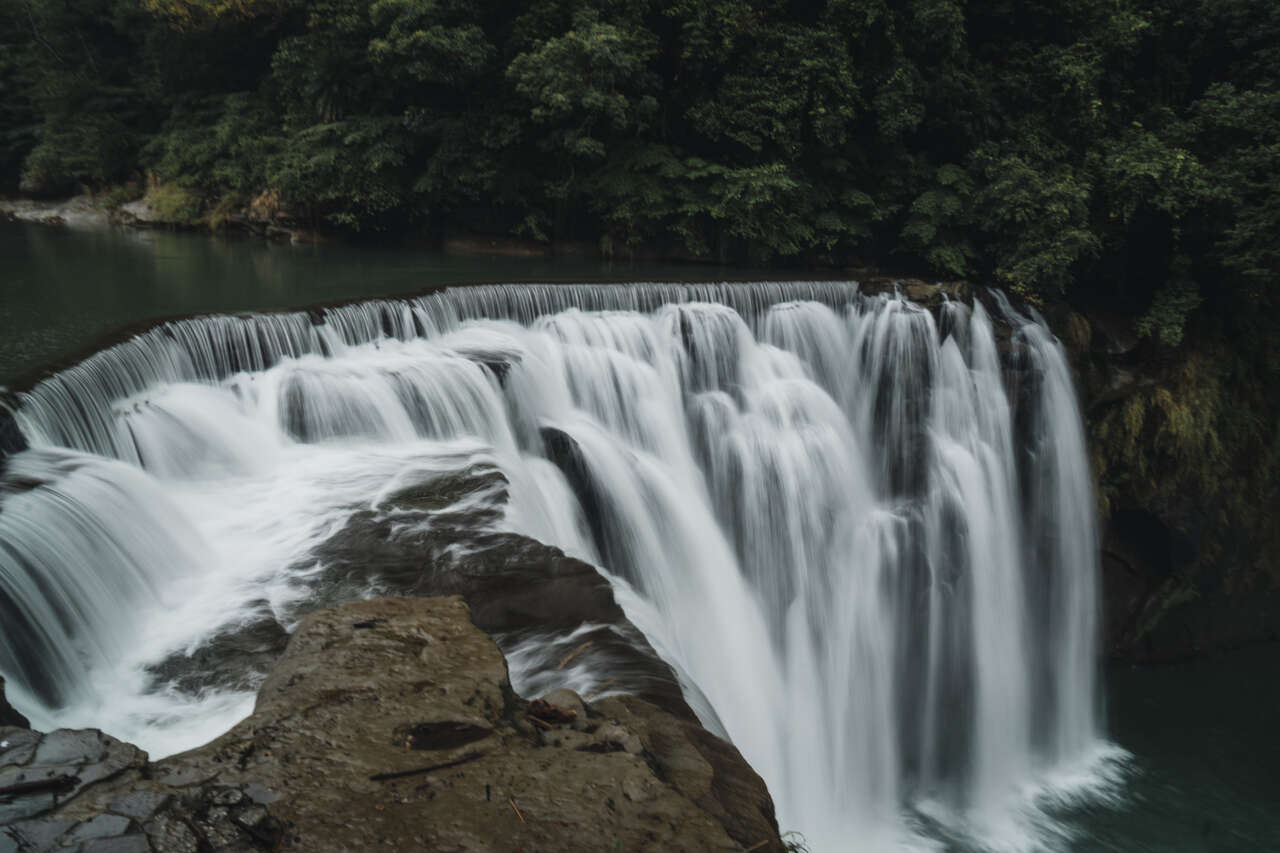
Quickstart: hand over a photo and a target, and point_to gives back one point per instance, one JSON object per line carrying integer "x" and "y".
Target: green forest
{"x": 1114, "y": 156}
{"x": 1131, "y": 146}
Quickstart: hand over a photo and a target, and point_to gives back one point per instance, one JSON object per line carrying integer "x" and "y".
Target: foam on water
{"x": 862, "y": 535}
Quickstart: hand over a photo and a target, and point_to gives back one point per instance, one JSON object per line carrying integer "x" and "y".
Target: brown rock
{"x": 391, "y": 723}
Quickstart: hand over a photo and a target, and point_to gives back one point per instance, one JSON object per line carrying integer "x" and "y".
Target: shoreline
{"x": 89, "y": 212}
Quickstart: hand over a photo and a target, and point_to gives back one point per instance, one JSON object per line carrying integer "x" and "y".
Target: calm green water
{"x": 64, "y": 291}
{"x": 1205, "y": 740}
{"x": 1204, "y": 737}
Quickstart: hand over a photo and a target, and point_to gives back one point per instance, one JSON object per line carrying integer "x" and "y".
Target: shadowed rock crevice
{"x": 444, "y": 735}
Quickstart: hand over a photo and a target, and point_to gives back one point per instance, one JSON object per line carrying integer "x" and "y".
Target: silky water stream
{"x": 861, "y": 532}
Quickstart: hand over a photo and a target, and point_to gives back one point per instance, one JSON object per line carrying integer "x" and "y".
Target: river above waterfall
{"x": 1200, "y": 738}
{"x": 64, "y": 290}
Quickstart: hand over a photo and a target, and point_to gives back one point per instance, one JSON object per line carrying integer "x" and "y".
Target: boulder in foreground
{"x": 391, "y": 723}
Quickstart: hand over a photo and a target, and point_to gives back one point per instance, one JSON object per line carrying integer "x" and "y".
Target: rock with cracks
{"x": 391, "y": 724}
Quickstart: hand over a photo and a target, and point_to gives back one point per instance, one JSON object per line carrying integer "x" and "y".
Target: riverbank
{"x": 167, "y": 208}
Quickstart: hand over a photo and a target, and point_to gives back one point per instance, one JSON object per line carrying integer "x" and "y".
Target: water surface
{"x": 1205, "y": 769}
{"x": 63, "y": 291}
{"x": 1204, "y": 766}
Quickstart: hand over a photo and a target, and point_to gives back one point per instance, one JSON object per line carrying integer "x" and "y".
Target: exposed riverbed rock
{"x": 439, "y": 537}
{"x": 391, "y": 723}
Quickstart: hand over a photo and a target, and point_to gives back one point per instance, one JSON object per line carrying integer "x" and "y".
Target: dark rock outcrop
{"x": 435, "y": 538}
{"x": 237, "y": 658}
{"x": 40, "y": 772}
{"x": 1188, "y": 548}
{"x": 392, "y": 723}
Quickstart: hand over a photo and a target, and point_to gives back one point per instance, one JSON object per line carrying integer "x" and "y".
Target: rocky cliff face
{"x": 1188, "y": 467}
{"x": 392, "y": 723}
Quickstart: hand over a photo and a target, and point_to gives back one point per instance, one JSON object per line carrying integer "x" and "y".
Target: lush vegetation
{"x": 1135, "y": 143}
{"x": 1123, "y": 154}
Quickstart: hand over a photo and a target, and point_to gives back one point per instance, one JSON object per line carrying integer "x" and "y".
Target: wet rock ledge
{"x": 391, "y": 724}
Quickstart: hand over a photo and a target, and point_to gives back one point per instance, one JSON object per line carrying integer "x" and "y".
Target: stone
{"x": 227, "y": 797}
{"x": 102, "y": 826}
{"x": 514, "y": 585}
{"x": 25, "y": 807}
{"x": 237, "y": 657}
{"x": 117, "y": 758}
{"x": 260, "y": 794}
{"x": 82, "y": 757}
{"x": 17, "y": 746}
{"x": 122, "y": 844}
{"x": 40, "y": 834}
{"x": 183, "y": 777}
{"x": 251, "y": 817}
{"x": 140, "y": 805}
{"x": 67, "y": 746}
{"x": 615, "y": 737}
{"x": 359, "y": 740}
{"x": 172, "y": 835}
{"x": 330, "y": 726}
{"x": 565, "y": 698}
{"x": 218, "y": 830}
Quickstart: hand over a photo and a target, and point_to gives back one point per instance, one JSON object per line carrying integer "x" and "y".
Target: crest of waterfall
{"x": 862, "y": 534}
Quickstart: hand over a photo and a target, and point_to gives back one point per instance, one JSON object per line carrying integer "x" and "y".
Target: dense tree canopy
{"x": 1117, "y": 157}
{"x": 1125, "y": 151}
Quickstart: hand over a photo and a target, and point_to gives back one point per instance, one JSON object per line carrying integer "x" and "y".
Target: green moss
{"x": 224, "y": 211}
{"x": 175, "y": 205}
{"x": 1199, "y": 449}
{"x": 116, "y": 197}
{"x": 1167, "y": 433}
{"x": 1077, "y": 334}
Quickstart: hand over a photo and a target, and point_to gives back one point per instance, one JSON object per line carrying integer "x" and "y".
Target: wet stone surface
{"x": 139, "y": 805}
{"x": 39, "y": 772}
{"x": 392, "y": 724}
{"x": 189, "y": 821}
{"x": 82, "y": 791}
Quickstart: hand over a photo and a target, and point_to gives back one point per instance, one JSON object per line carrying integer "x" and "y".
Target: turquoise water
{"x": 1204, "y": 737}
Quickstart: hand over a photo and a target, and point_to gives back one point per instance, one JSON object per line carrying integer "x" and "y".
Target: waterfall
{"x": 861, "y": 533}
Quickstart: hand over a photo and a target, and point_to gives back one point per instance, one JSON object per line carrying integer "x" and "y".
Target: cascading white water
{"x": 863, "y": 538}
